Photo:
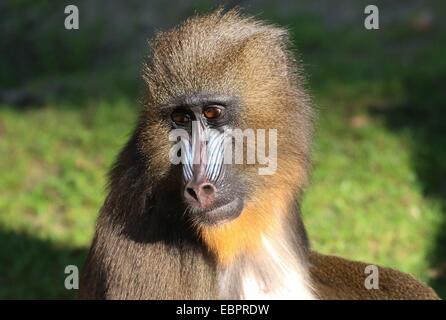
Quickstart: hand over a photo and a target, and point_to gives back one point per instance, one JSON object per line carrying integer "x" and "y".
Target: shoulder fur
{"x": 393, "y": 285}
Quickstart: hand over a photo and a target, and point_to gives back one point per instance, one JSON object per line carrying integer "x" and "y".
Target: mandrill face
{"x": 201, "y": 132}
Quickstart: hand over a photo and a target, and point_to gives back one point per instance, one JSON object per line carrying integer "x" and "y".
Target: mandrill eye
{"x": 180, "y": 118}
{"x": 212, "y": 112}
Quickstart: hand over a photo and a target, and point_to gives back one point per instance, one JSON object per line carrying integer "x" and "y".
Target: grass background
{"x": 378, "y": 191}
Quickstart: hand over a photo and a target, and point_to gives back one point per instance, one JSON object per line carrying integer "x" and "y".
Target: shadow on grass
{"x": 423, "y": 118}
{"x": 34, "y": 269}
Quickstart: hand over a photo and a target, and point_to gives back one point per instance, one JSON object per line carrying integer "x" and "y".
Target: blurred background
{"x": 69, "y": 100}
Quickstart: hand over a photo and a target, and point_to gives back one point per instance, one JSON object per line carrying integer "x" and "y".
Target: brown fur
{"x": 145, "y": 247}
{"x": 337, "y": 278}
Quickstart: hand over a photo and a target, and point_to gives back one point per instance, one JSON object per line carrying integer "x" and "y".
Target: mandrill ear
{"x": 337, "y": 278}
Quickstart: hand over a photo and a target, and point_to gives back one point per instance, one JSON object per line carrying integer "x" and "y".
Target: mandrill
{"x": 207, "y": 226}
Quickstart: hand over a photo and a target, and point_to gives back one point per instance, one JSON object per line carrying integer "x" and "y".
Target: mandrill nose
{"x": 200, "y": 194}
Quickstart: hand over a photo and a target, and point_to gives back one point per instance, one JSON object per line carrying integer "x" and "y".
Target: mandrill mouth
{"x": 215, "y": 216}
{"x": 211, "y": 204}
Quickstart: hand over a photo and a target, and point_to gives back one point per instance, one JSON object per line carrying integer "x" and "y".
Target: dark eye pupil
{"x": 212, "y": 112}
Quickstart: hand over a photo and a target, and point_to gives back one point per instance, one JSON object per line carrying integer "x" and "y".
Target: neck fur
{"x": 263, "y": 253}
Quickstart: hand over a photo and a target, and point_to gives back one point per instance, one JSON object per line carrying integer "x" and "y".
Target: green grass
{"x": 377, "y": 191}
{"x": 53, "y": 167}
{"x": 365, "y": 201}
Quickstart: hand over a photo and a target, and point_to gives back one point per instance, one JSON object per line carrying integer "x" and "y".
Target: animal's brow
{"x": 200, "y": 99}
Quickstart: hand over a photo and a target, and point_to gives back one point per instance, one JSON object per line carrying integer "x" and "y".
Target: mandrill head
{"x": 228, "y": 124}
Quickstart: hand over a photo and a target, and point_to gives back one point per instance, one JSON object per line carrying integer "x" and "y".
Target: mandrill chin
{"x": 188, "y": 216}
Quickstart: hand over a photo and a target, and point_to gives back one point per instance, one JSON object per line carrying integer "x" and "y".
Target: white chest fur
{"x": 278, "y": 275}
